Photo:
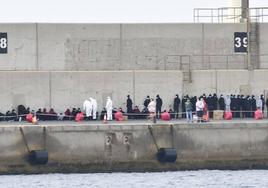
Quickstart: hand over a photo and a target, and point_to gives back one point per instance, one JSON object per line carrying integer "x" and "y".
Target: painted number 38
{"x": 3, "y": 43}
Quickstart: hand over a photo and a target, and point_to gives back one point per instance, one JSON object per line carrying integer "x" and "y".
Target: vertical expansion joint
{"x": 37, "y": 47}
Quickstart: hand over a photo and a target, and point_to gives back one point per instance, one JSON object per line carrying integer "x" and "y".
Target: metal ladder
{"x": 186, "y": 69}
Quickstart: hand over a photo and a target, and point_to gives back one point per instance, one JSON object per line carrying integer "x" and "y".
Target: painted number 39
{"x": 239, "y": 42}
{"x": 3, "y": 43}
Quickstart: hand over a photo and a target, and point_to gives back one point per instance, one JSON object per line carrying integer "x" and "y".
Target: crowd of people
{"x": 203, "y": 106}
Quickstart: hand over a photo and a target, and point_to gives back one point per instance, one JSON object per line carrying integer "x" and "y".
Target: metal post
{"x": 248, "y": 34}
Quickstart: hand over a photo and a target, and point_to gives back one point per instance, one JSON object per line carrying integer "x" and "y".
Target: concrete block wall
{"x": 60, "y": 65}
{"x": 89, "y": 47}
{"x": 227, "y": 82}
{"x": 84, "y": 148}
{"x": 67, "y": 89}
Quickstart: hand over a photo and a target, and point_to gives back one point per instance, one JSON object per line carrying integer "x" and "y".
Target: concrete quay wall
{"x": 85, "y": 148}
{"x": 66, "y": 89}
{"x": 97, "y": 47}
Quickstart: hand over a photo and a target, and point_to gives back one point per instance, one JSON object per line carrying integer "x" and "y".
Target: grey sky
{"x": 107, "y": 11}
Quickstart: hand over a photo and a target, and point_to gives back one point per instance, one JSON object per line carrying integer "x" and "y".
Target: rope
{"x": 25, "y": 141}
{"x": 151, "y": 132}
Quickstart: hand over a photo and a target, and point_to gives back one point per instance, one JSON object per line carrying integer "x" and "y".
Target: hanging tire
{"x": 167, "y": 155}
{"x": 38, "y": 157}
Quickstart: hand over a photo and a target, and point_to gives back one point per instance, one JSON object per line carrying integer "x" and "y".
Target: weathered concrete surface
{"x": 22, "y": 44}
{"x": 95, "y": 47}
{"x": 69, "y": 89}
{"x": 65, "y": 89}
{"x": 227, "y": 82}
{"x": 84, "y": 148}
{"x": 24, "y": 87}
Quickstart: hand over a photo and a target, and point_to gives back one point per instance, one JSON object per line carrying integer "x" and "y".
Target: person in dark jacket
{"x": 176, "y": 106}
{"x": 267, "y": 105}
{"x": 221, "y": 103}
{"x": 171, "y": 113}
{"x": 183, "y": 101}
{"x": 243, "y": 106}
{"x": 215, "y": 101}
{"x": 145, "y": 113}
{"x": 253, "y": 105}
{"x": 22, "y": 112}
{"x": 67, "y": 114}
{"x": 14, "y": 116}
{"x": 263, "y": 102}
{"x": 136, "y": 113}
{"x": 147, "y": 101}
{"x": 52, "y": 115}
{"x": 129, "y": 106}
{"x": 44, "y": 114}
{"x": 73, "y": 114}
{"x": 239, "y": 106}
{"x": 248, "y": 107}
{"x": 210, "y": 105}
{"x": 2, "y": 116}
{"x": 38, "y": 114}
{"x": 193, "y": 100}
{"x": 159, "y": 103}
{"x": 7, "y": 116}
{"x": 103, "y": 112}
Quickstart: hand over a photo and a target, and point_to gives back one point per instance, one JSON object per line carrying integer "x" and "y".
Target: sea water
{"x": 187, "y": 179}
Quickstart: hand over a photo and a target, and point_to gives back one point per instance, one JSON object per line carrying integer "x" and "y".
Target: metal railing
{"x": 229, "y": 15}
{"x": 206, "y": 62}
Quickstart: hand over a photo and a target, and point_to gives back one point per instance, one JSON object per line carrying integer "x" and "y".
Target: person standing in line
{"x": 199, "y": 109}
{"x": 176, "y": 106}
{"x": 263, "y": 103}
{"x": 267, "y": 105}
{"x": 87, "y": 107}
{"x": 248, "y": 107}
{"x": 221, "y": 103}
{"x": 210, "y": 105}
{"x": 243, "y": 106}
{"x": 259, "y": 103}
{"x": 188, "y": 108}
{"x": 183, "y": 101}
{"x": 146, "y": 101}
{"x": 227, "y": 102}
{"x": 152, "y": 109}
{"x": 253, "y": 105}
{"x": 109, "y": 109}
{"x": 129, "y": 106}
{"x": 215, "y": 101}
{"x": 94, "y": 107}
{"x": 159, "y": 103}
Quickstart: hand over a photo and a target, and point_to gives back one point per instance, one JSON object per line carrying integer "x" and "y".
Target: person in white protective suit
{"x": 259, "y": 103}
{"x": 94, "y": 107}
{"x": 227, "y": 102}
{"x": 109, "y": 108}
{"x": 87, "y": 106}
